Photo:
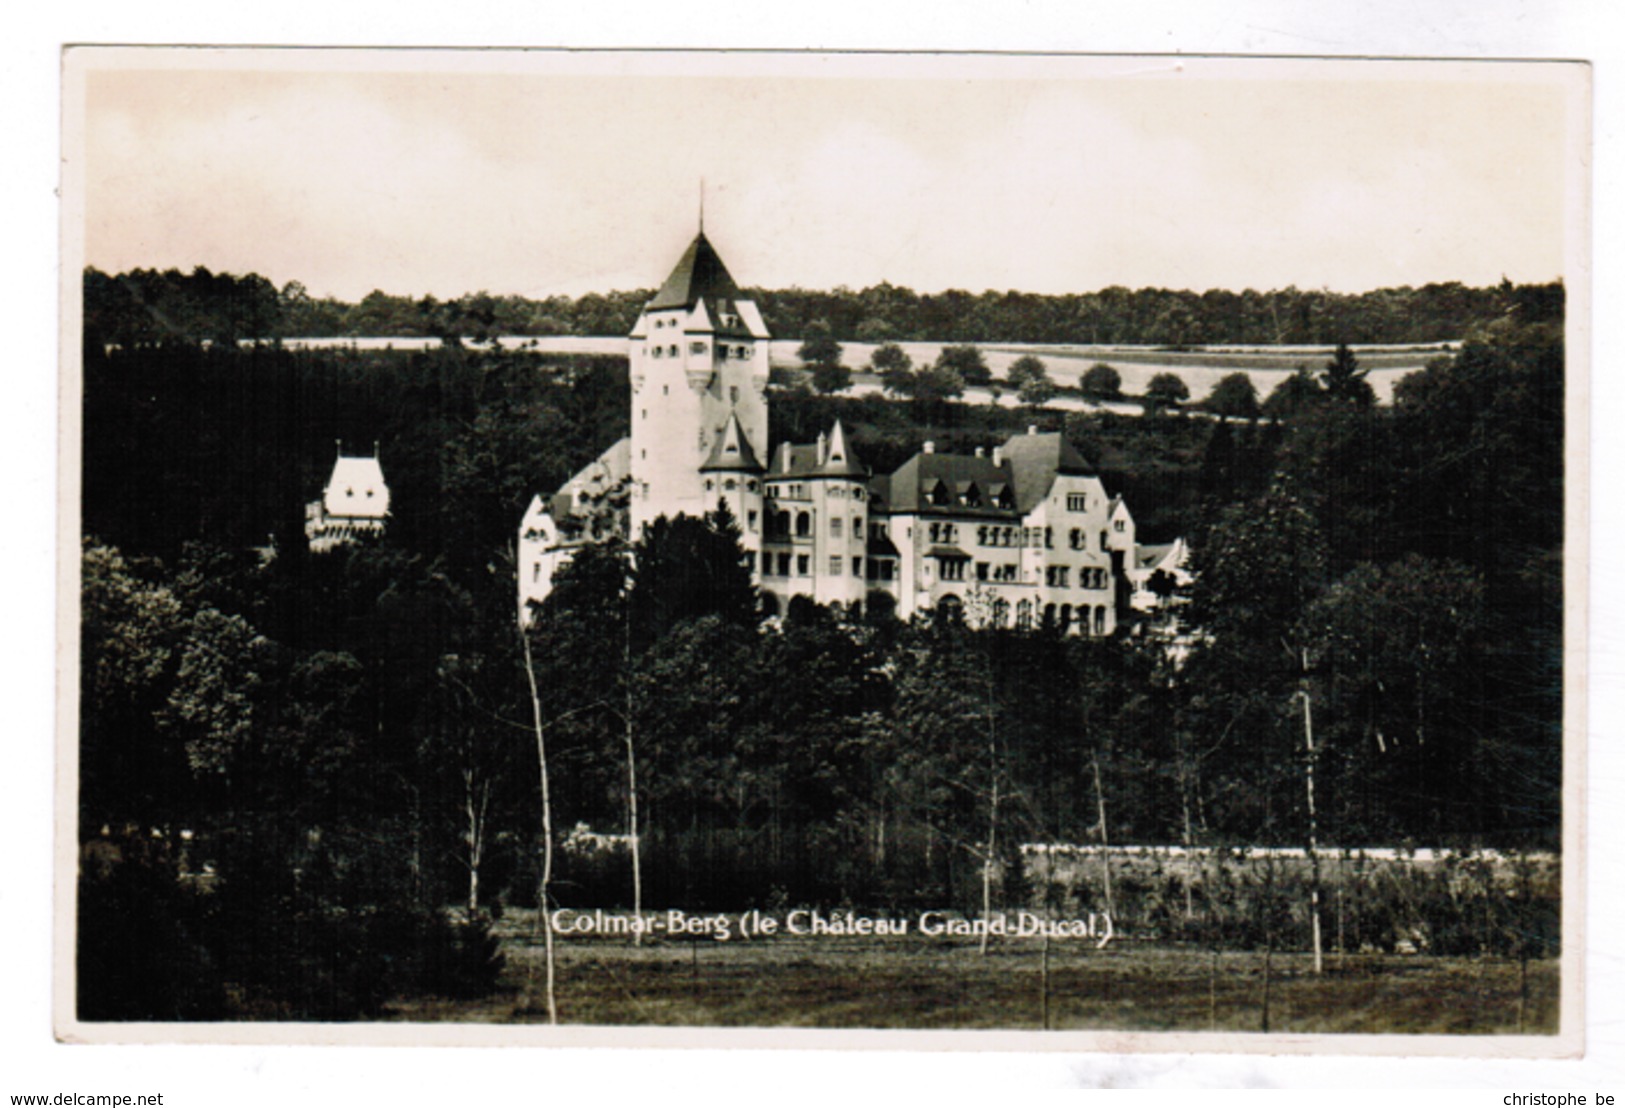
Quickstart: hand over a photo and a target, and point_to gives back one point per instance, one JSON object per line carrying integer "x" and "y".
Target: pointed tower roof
{"x": 699, "y": 275}
{"x": 732, "y": 451}
{"x": 839, "y": 460}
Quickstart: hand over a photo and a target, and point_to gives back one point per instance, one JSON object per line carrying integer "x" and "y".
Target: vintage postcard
{"x": 879, "y": 550}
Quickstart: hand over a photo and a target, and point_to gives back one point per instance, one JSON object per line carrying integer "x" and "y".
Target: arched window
{"x": 1024, "y": 615}
{"x": 1100, "y": 620}
{"x": 803, "y": 524}
{"x": 951, "y": 607}
{"x": 1001, "y": 612}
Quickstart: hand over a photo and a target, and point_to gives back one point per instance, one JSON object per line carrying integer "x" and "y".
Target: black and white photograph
{"x": 590, "y": 546}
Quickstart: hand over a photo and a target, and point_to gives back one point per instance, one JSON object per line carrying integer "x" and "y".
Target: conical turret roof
{"x": 839, "y": 461}
{"x": 732, "y": 451}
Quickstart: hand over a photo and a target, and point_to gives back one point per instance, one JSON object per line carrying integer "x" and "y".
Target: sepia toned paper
{"x": 540, "y": 174}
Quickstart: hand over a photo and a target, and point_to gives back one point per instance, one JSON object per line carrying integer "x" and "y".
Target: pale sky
{"x": 543, "y": 174}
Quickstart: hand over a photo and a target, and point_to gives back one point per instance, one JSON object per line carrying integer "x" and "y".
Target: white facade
{"x": 698, "y": 358}
{"x": 1022, "y": 536}
{"x": 354, "y": 504}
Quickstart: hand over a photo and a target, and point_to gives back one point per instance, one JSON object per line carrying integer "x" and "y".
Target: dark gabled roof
{"x": 908, "y": 489}
{"x": 732, "y": 451}
{"x": 699, "y": 275}
{"x": 1035, "y": 460}
{"x": 1150, "y": 555}
{"x": 881, "y": 546}
{"x": 879, "y": 492}
{"x": 793, "y": 460}
{"x": 829, "y": 457}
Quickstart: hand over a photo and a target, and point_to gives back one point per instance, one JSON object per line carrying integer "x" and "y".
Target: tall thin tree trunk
{"x": 1105, "y": 846}
{"x": 992, "y": 811}
{"x": 472, "y": 841}
{"x": 544, "y": 894}
{"x": 1314, "y": 846}
{"x": 1188, "y": 839}
{"x": 634, "y": 838}
{"x": 987, "y": 862}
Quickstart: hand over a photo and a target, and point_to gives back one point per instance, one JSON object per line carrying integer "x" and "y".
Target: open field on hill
{"x": 1200, "y": 369}
{"x": 918, "y": 983}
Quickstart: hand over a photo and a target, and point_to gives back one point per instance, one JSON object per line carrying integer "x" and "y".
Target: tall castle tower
{"x": 699, "y": 358}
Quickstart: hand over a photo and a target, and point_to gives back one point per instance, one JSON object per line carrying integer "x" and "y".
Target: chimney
{"x": 981, "y": 451}
{"x": 998, "y": 455}
{"x": 823, "y": 448}
{"x": 928, "y": 447}
{"x": 784, "y": 456}
{"x": 1032, "y": 428}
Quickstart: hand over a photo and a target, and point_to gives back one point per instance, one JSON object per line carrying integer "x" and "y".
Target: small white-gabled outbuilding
{"x": 354, "y": 505}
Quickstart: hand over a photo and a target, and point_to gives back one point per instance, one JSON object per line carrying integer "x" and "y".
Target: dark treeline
{"x": 349, "y": 737}
{"x": 148, "y": 306}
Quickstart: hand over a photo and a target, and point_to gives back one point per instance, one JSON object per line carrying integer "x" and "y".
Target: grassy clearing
{"x": 919, "y": 983}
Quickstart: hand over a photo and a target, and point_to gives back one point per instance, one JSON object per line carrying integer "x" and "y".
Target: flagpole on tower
{"x": 702, "y": 205}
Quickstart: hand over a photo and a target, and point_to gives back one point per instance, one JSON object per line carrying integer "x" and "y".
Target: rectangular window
{"x": 767, "y": 564}
{"x": 982, "y": 571}
{"x": 857, "y": 527}
{"x": 857, "y": 567}
{"x": 834, "y": 527}
{"x": 803, "y": 565}
{"x": 784, "y": 565}
{"x": 696, "y": 348}
{"x": 1077, "y": 502}
{"x": 834, "y": 565}
{"x": 1103, "y": 540}
{"x": 733, "y": 394}
{"x": 750, "y": 520}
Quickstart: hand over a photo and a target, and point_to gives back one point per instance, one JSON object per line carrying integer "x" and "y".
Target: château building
{"x": 353, "y": 506}
{"x": 1022, "y": 535}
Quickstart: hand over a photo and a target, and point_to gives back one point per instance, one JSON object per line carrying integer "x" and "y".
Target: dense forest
{"x": 350, "y": 743}
{"x": 148, "y": 306}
